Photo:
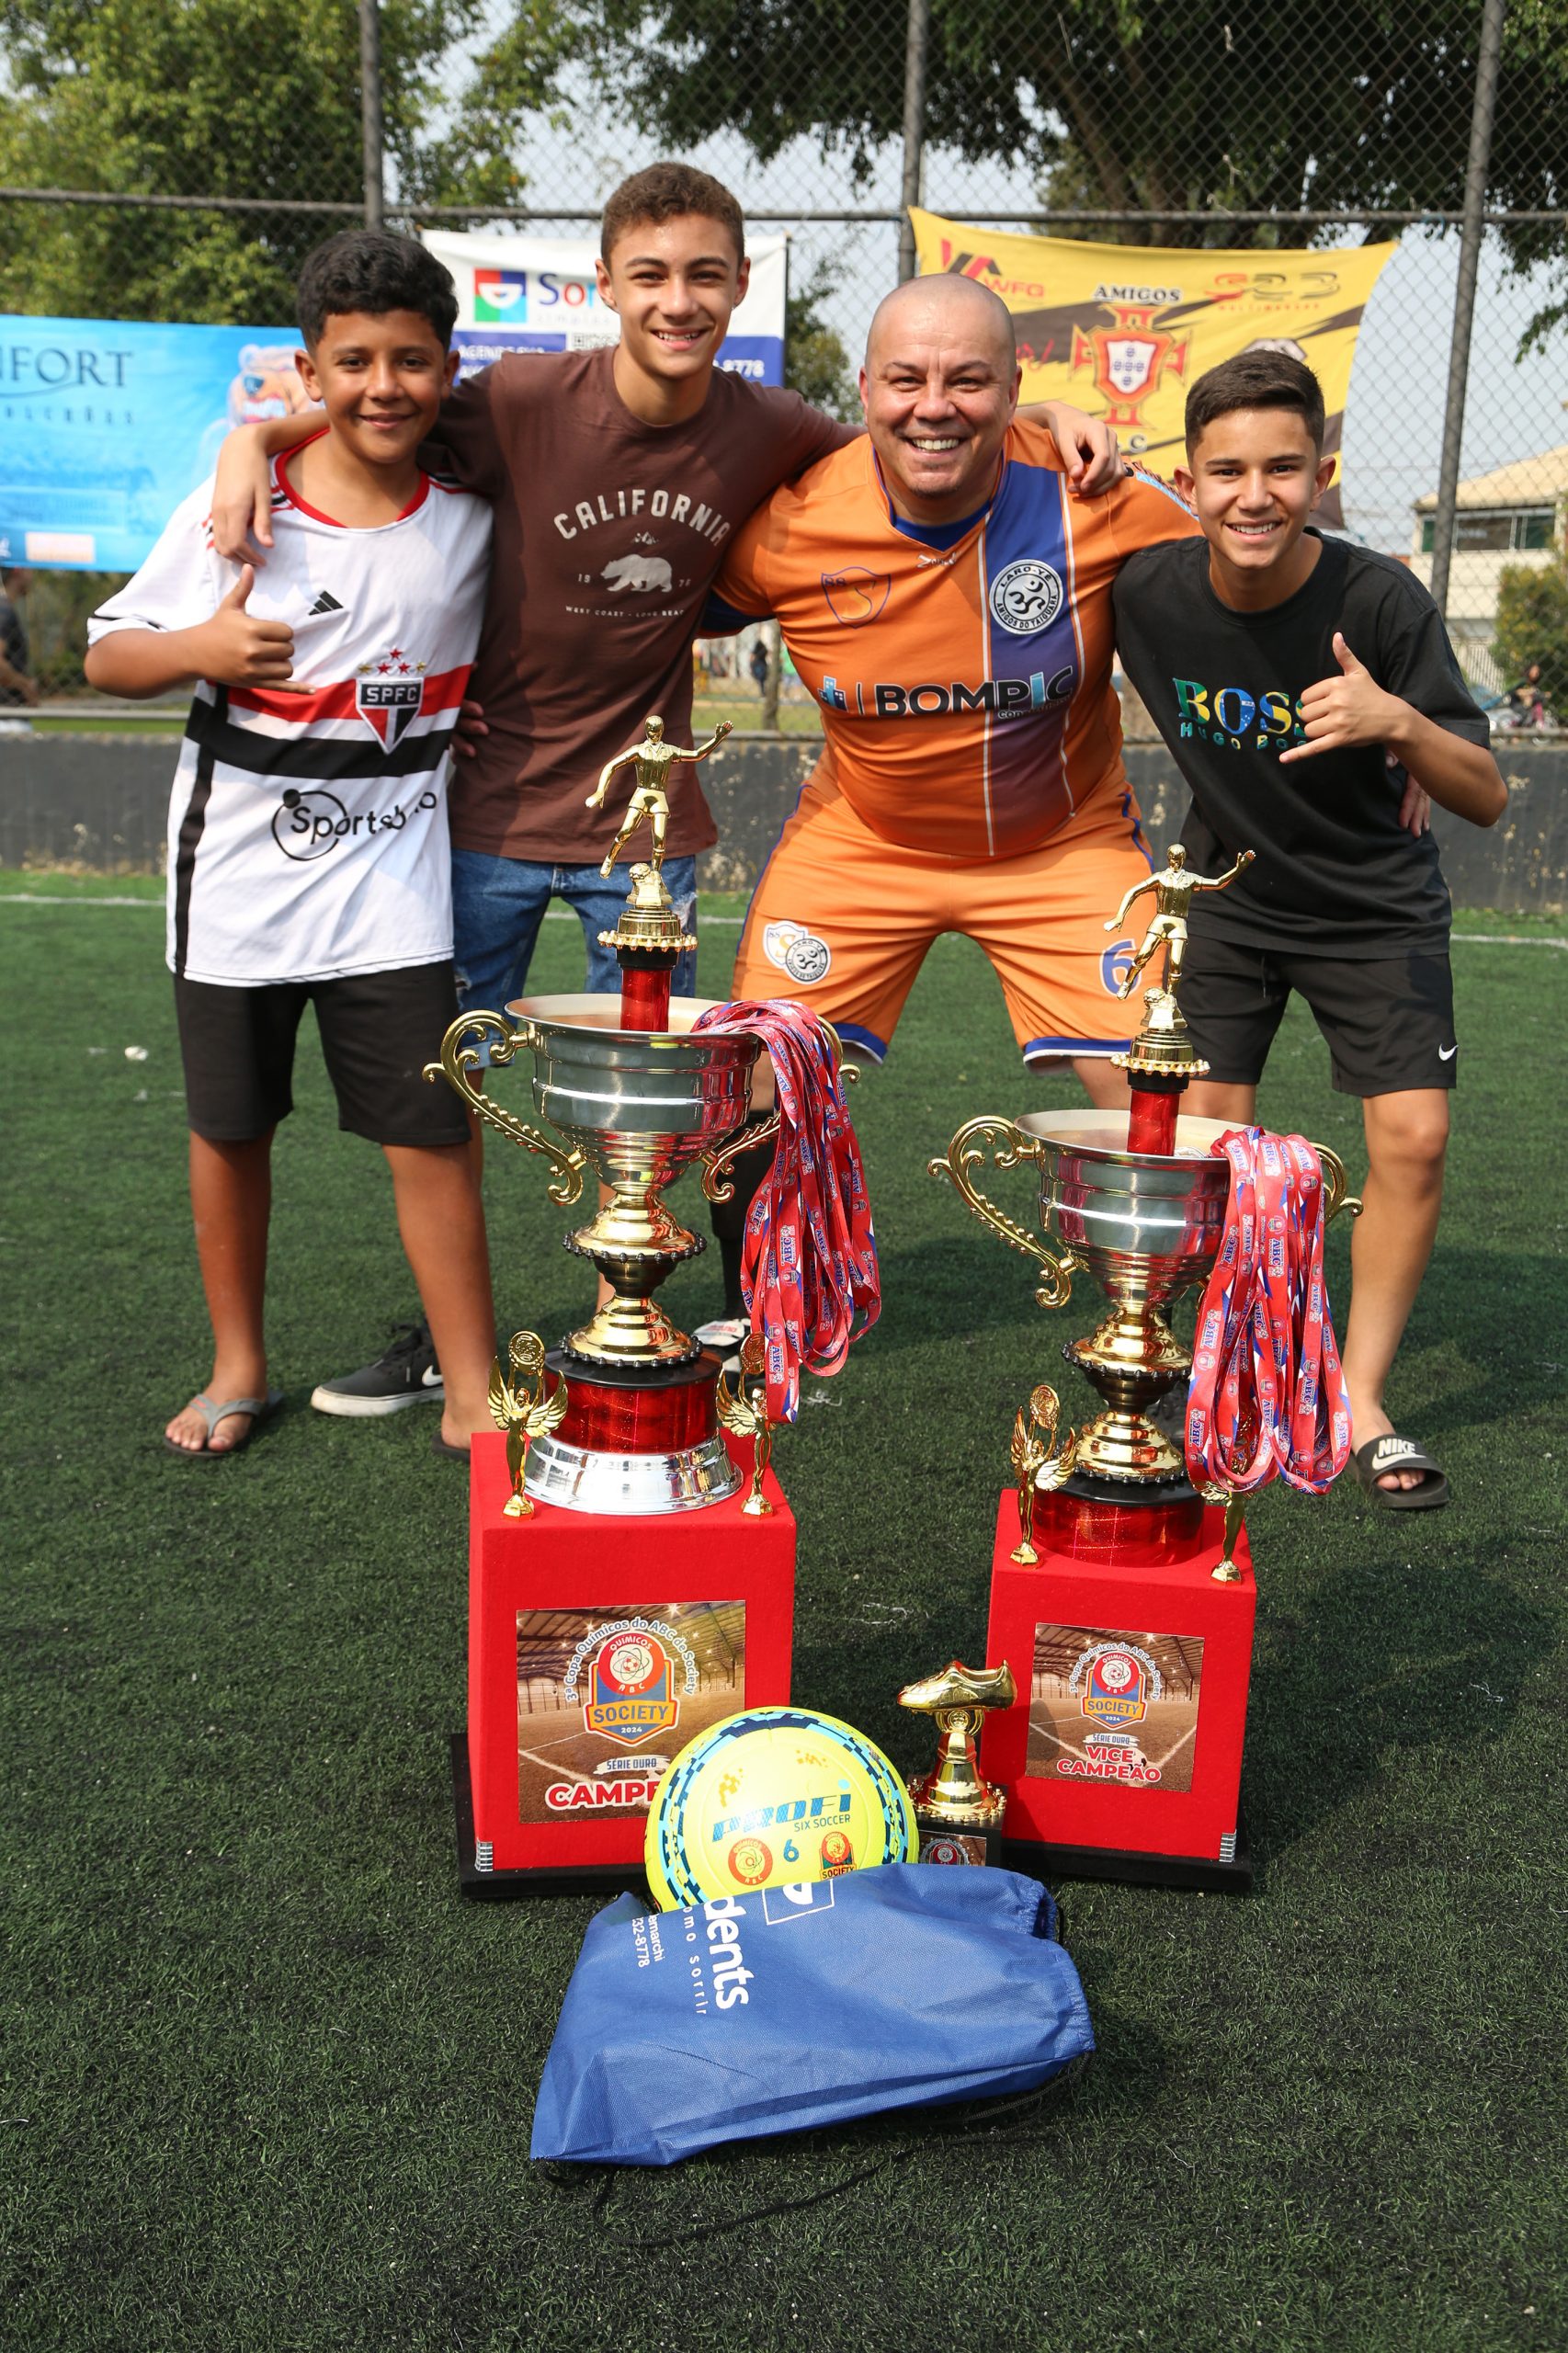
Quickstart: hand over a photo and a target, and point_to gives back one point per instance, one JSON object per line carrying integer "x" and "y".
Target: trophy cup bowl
{"x": 636, "y": 1108}
{"x": 1146, "y": 1225}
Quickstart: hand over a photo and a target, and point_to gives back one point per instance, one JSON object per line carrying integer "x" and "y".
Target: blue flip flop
{"x": 261, "y": 1410}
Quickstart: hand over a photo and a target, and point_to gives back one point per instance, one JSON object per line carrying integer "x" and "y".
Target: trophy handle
{"x": 1009, "y": 1145}
{"x": 1336, "y": 1186}
{"x": 723, "y": 1155}
{"x": 458, "y": 1060}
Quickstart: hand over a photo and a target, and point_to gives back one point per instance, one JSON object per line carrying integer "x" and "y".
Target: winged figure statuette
{"x": 743, "y": 1407}
{"x": 1037, "y": 1464}
{"x": 524, "y": 1408}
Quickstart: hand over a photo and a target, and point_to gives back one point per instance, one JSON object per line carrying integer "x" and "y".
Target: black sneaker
{"x": 406, "y": 1375}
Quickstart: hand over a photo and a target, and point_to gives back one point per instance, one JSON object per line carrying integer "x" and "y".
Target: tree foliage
{"x": 816, "y": 362}
{"x": 239, "y": 98}
{"x": 1240, "y": 105}
{"x": 1533, "y": 625}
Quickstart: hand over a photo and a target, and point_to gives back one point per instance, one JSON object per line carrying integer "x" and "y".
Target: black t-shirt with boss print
{"x": 1335, "y": 873}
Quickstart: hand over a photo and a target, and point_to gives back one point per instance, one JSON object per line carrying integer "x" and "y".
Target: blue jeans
{"x": 498, "y": 905}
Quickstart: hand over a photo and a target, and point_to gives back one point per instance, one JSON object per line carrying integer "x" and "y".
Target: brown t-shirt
{"x": 608, "y": 535}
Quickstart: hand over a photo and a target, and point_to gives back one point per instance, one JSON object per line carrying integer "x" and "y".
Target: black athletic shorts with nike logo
{"x": 1388, "y": 1022}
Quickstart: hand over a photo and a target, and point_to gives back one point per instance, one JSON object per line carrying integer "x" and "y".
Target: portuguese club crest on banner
{"x": 1128, "y": 361}
{"x": 389, "y": 694}
{"x": 632, "y": 1694}
{"x": 1115, "y": 1682}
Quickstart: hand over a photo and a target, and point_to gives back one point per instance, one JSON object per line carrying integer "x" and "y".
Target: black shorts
{"x": 377, "y": 1030}
{"x": 1388, "y": 1023}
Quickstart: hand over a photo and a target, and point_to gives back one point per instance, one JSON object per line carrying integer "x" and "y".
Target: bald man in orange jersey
{"x": 948, "y": 606}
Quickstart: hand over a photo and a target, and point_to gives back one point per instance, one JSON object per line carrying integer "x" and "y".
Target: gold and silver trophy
{"x": 1138, "y": 1203}
{"x": 624, "y": 1415}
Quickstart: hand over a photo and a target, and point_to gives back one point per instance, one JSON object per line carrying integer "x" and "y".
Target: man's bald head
{"x": 941, "y": 386}
{"x": 949, "y": 306}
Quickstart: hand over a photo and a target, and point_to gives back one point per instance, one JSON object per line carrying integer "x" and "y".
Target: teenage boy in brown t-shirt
{"x": 619, "y": 476}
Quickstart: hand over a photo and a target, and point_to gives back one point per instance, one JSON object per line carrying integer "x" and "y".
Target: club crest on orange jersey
{"x": 389, "y": 694}
{"x": 856, "y": 596}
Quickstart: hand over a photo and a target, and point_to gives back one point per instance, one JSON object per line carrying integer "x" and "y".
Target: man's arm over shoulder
{"x": 465, "y": 442}
{"x": 745, "y": 581}
{"x": 1142, "y": 511}
{"x": 803, "y": 433}
{"x": 758, "y": 568}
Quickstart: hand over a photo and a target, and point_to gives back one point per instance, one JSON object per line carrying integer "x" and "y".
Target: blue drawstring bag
{"x": 795, "y": 2006}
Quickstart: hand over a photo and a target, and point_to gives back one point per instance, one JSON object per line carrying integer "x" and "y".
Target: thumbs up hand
{"x": 238, "y": 650}
{"x": 1343, "y": 712}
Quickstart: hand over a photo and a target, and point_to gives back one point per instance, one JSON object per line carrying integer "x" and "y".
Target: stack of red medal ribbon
{"x": 1268, "y": 1396}
{"x": 809, "y": 1251}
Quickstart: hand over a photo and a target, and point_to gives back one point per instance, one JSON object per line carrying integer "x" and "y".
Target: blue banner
{"x": 105, "y": 425}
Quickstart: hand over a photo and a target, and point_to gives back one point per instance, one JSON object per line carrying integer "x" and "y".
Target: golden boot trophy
{"x": 958, "y": 1814}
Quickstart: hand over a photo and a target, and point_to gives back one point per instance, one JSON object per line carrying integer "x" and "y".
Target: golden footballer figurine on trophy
{"x": 652, "y": 761}
{"x": 1174, "y": 891}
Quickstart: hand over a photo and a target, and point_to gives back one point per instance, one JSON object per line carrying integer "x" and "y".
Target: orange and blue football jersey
{"x": 965, "y": 690}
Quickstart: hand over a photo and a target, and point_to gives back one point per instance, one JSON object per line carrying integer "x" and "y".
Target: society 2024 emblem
{"x": 632, "y": 1690}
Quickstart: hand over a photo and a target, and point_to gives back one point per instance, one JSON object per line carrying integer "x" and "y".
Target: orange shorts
{"x": 842, "y": 920}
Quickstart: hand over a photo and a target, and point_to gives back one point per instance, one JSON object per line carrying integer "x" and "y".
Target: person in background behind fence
{"x": 18, "y": 687}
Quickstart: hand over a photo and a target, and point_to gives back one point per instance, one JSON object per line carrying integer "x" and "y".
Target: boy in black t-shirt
{"x": 1298, "y": 682}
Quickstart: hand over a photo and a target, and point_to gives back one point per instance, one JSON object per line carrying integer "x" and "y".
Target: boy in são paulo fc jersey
{"x": 1288, "y": 675}
{"x": 307, "y": 854}
{"x": 621, "y": 476}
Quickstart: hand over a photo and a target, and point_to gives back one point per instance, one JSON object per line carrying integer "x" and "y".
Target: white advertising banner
{"x": 520, "y": 293}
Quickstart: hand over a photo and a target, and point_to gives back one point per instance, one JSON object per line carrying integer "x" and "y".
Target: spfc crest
{"x": 388, "y": 695}
{"x": 630, "y": 1689}
{"x": 856, "y": 596}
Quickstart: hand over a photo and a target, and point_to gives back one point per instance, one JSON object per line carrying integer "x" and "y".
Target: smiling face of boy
{"x": 381, "y": 377}
{"x": 1255, "y": 475}
{"x": 674, "y": 284}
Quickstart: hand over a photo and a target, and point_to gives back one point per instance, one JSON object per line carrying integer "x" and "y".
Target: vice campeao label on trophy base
{"x": 605, "y": 1697}
{"x": 1115, "y": 1708}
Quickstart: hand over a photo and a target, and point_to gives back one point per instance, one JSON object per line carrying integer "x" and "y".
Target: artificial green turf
{"x": 267, "y": 2081}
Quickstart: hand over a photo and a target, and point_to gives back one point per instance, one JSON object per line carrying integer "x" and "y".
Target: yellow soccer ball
{"x": 768, "y": 1797}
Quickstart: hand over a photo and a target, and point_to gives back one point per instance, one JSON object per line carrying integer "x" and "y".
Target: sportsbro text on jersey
{"x": 965, "y": 690}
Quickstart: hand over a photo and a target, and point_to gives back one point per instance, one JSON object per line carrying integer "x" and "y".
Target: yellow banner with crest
{"x": 1125, "y": 331}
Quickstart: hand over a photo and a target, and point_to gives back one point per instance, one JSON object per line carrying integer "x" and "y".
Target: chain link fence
{"x": 178, "y": 164}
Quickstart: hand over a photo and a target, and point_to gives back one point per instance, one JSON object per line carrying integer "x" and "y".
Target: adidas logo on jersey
{"x": 326, "y": 603}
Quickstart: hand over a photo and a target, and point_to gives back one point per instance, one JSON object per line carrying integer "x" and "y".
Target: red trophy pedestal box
{"x": 1121, "y": 1756}
{"x": 598, "y": 1647}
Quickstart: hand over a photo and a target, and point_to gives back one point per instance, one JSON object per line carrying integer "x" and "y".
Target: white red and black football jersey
{"x": 308, "y": 832}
